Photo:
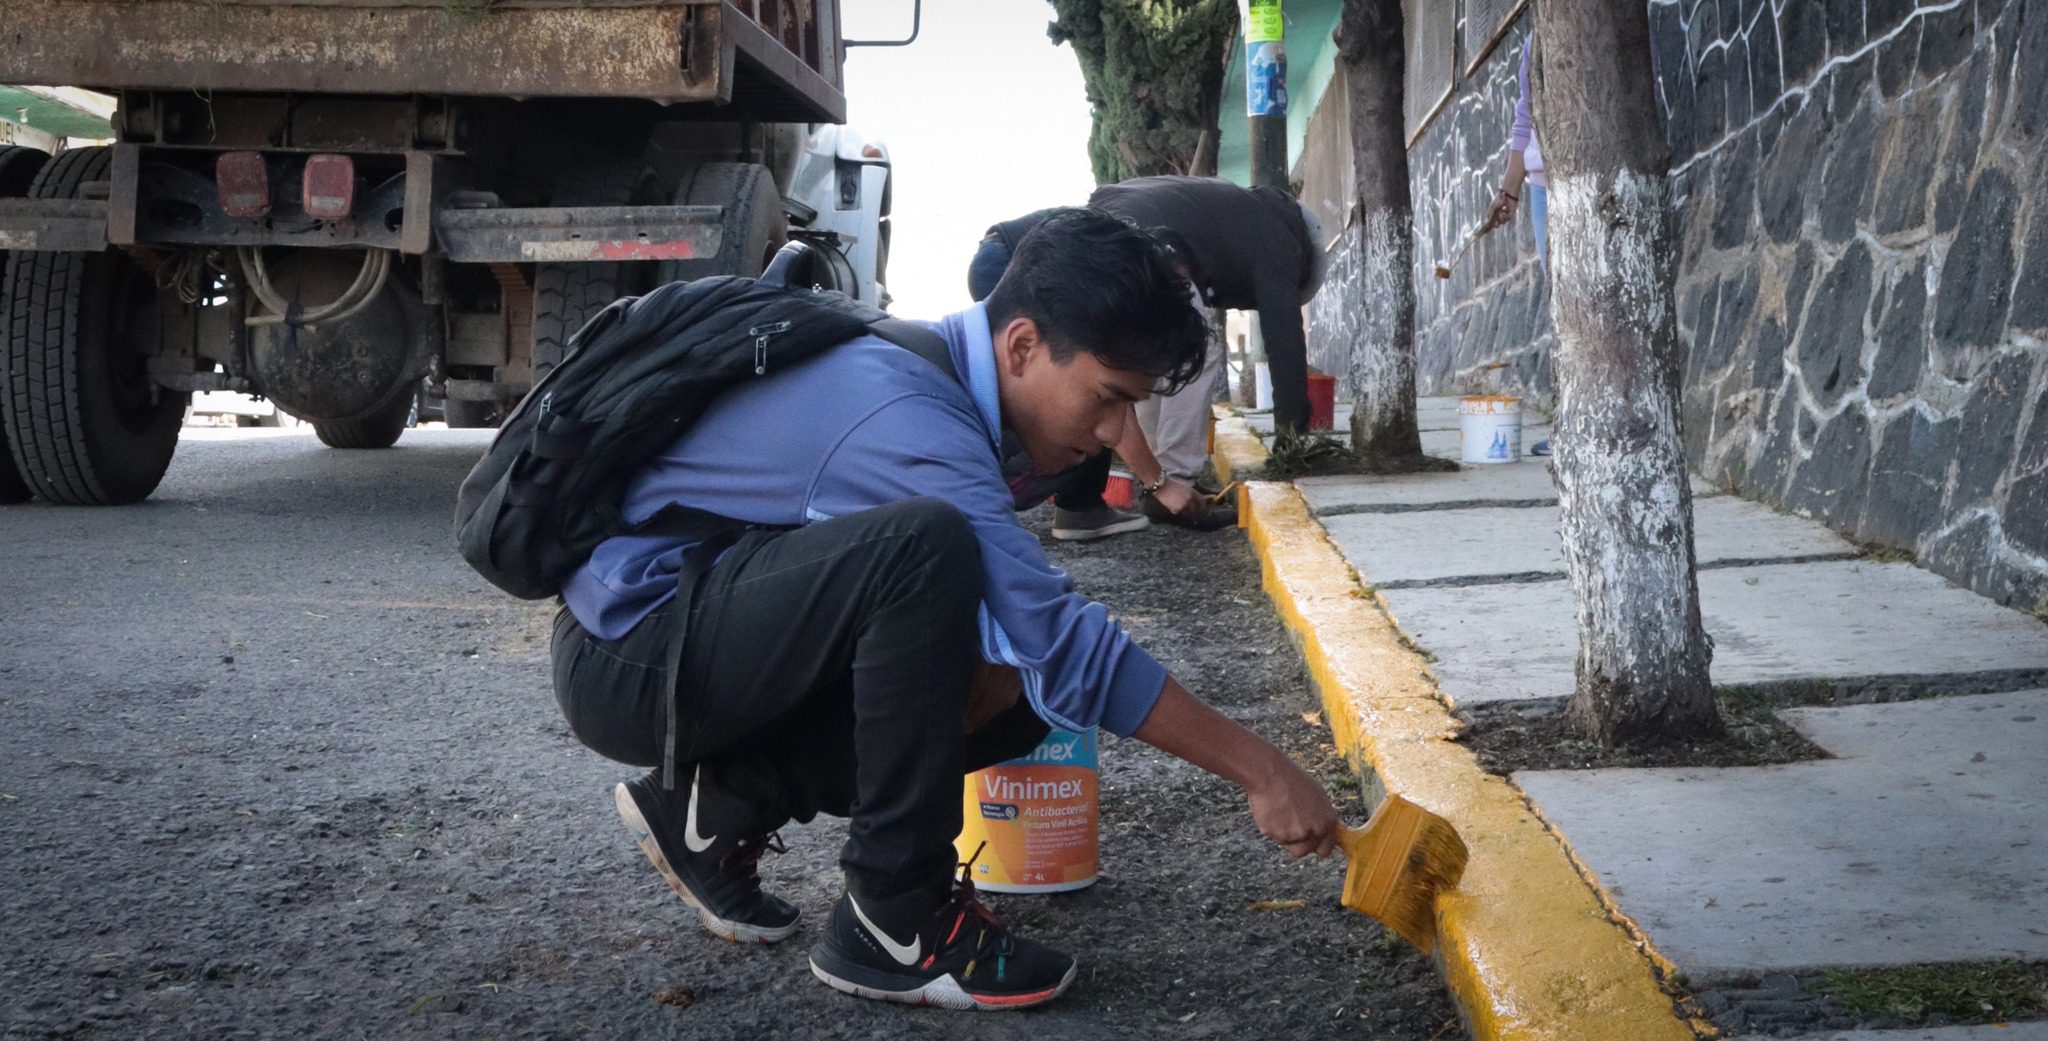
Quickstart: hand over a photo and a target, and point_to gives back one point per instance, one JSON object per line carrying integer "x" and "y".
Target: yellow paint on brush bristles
{"x": 1402, "y": 858}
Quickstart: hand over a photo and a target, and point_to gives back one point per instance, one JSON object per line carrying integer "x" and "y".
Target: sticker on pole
{"x": 1262, "y": 22}
{"x": 1265, "y": 79}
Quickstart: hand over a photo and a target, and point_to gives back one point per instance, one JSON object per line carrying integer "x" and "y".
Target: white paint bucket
{"x": 1262, "y": 387}
{"x": 1490, "y": 429}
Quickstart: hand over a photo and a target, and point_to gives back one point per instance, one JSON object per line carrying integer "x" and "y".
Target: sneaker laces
{"x": 743, "y": 863}
{"x": 966, "y": 904}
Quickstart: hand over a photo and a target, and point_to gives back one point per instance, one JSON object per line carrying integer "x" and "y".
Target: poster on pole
{"x": 1265, "y": 59}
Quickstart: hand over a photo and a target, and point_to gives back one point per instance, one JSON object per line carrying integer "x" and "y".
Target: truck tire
{"x": 86, "y": 425}
{"x": 18, "y": 168}
{"x": 755, "y": 225}
{"x": 379, "y": 429}
{"x": 565, "y": 296}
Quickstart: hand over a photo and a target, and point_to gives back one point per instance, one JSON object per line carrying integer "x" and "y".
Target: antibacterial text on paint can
{"x": 1037, "y": 817}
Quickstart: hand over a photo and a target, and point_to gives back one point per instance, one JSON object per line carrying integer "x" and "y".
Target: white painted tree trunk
{"x": 1379, "y": 294}
{"x": 1382, "y": 373}
{"x": 1620, "y": 463}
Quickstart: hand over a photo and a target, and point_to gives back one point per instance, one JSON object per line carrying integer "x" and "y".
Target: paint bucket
{"x": 1121, "y": 491}
{"x": 1262, "y": 387}
{"x": 1490, "y": 429}
{"x": 1038, "y": 817}
{"x": 1322, "y": 401}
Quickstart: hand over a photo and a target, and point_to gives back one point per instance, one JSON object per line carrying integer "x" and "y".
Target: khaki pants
{"x": 1177, "y": 426}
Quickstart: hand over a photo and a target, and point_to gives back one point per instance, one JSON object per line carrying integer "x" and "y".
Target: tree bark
{"x": 1620, "y": 464}
{"x": 1381, "y": 374}
{"x": 1154, "y": 73}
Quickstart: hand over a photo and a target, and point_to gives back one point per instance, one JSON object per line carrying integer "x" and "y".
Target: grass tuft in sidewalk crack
{"x": 1967, "y": 993}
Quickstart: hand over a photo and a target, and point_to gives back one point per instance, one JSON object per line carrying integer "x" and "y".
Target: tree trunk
{"x": 1381, "y": 375}
{"x": 1154, "y": 73}
{"x": 1620, "y": 464}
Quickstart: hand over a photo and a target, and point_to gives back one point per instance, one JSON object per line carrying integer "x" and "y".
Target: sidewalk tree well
{"x": 1381, "y": 374}
{"x": 1620, "y": 467}
{"x": 1154, "y": 73}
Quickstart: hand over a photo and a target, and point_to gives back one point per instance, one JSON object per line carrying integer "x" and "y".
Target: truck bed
{"x": 779, "y": 57}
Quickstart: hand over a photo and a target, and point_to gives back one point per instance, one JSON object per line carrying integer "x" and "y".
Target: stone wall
{"x": 1864, "y": 283}
{"x": 1862, "y": 188}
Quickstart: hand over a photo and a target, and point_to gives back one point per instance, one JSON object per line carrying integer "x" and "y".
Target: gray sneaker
{"x": 1100, "y": 521}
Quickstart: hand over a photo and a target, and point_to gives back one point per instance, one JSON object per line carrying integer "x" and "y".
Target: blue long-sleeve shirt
{"x": 863, "y": 425}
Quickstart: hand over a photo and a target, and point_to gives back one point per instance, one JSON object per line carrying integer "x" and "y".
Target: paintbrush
{"x": 1402, "y": 858}
{"x": 1443, "y": 270}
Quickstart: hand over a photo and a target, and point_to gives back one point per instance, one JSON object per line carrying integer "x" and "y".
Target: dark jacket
{"x": 1249, "y": 247}
{"x": 1250, "y": 251}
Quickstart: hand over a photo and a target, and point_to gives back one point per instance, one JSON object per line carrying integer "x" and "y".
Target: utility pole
{"x": 1265, "y": 79}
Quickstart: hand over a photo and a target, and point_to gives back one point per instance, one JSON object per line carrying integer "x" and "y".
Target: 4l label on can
{"x": 1037, "y": 816}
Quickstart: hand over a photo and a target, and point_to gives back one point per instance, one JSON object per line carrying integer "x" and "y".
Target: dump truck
{"x": 324, "y": 202}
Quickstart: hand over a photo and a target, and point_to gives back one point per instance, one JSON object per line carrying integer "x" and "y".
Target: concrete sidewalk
{"x": 1920, "y": 840}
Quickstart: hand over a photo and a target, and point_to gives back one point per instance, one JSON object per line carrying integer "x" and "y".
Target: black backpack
{"x": 552, "y": 485}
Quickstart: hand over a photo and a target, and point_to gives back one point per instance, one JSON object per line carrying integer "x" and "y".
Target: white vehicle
{"x": 838, "y": 200}
{"x": 245, "y": 410}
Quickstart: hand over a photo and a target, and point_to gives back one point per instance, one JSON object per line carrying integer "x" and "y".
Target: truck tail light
{"x": 244, "y": 182}
{"x": 330, "y": 186}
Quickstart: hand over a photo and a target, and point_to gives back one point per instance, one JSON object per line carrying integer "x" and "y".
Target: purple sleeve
{"x": 1525, "y": 126}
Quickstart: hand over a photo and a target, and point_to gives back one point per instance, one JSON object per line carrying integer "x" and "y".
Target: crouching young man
{"x": 847, "y": 656}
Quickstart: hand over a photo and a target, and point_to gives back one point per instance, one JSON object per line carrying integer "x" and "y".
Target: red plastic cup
{"x": 1121, "y": 491}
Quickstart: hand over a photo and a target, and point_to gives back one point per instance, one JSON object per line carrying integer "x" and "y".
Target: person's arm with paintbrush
{"x": 1509, "y": 197}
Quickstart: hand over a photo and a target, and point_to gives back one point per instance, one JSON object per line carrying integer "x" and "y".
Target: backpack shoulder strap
{"x": 917, "y": 340}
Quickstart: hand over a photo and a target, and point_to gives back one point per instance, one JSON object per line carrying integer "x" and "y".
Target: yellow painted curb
{"x": 1234, "y": 450}
{"x": 1530, "y": 950}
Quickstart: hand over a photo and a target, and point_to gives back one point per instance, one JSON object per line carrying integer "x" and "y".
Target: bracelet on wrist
{"x": 1511, "y": 195}
{"x": 1153, "y": 488}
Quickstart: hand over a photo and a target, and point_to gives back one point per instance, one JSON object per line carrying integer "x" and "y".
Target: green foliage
{"x": 1966, "y": 993}
{"x": 1294, "y": 453}
{"x": 1154, "y": 73}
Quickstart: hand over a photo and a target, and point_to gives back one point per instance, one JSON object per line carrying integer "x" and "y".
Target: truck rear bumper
{"x": 555, "y": 235}
{"x": 500, "y": 235}
{"x": 55, "y": 225}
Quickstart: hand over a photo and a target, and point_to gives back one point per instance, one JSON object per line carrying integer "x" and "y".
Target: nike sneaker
{"x": 696, "y": 840}
{"x": 959, "y": 957}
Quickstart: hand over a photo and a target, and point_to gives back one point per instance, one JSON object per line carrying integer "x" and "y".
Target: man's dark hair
{"x": 1098, "y": 283}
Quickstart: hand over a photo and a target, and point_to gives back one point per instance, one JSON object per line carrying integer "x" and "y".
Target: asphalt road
{"x": 273, "y": 763}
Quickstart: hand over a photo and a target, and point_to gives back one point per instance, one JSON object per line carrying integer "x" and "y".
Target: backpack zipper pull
{"x": 761, "y": 335}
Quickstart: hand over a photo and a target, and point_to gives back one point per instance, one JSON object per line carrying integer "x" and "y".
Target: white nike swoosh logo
{"x": 690, "y": 839}
{"x": 906, "y": 955}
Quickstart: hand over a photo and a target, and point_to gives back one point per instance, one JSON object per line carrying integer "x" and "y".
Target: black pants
{"x": 1080, "y": 487}
{"x": 823, "y": 670}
